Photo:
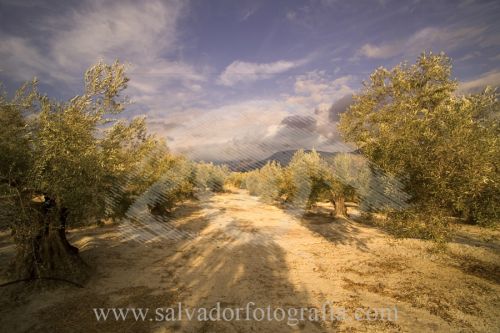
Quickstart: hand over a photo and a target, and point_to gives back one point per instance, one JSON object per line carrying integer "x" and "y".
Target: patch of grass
{"x": 474, "y": 266}
{"x": 377, "y": 288}
{"x": 439, "y": 303}
{"x": 421, "y": 224}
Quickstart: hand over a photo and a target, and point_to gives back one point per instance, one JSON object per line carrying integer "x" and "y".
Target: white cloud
{"x": 316, "y": 89}
{"x": 241, "y": 71}
{"x": 491, "y": 78}
{"x": 134, "y": 32}
{"x": 254, "y": 129}
{"x": 137, "y": 31}
{"x": 425, "y": 39}
{"x": 227, "y": 132}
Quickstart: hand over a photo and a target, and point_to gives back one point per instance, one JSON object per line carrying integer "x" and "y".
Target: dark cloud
{"x": 338, "y": 107}
{"x": 164, "y": 125}
{"x": 295, "y": 132}
{"x": 304, "y": 123}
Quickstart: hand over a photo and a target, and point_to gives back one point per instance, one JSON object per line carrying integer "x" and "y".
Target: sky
{"x": 229, "y": 80}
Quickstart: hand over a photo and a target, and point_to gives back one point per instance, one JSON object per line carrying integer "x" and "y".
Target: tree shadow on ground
{"x": 206, "y": 267}
{"x": 341, "y": 231}
{"x": 236, "y": 271}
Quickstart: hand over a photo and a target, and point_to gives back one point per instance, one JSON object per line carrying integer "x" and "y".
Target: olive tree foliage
{"x": 58, "y": 163}
{"x": 252, "y": 182}
{"x": 210, "y": 176}
{"x": 444, "y": 147}
{"x": 306, "y": 178}
{"x": 237, "y": 179}
{"x": 363, "y": 182}
{"x": 310, "y": 179}
{"x": 266, "y": 182}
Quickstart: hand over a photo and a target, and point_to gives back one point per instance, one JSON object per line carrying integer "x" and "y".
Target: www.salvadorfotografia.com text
{"x": 250, "y": 312}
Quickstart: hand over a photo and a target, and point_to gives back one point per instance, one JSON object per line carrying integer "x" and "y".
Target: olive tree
{"x": 58, "y": 161}
{"x": 411, "y": 122}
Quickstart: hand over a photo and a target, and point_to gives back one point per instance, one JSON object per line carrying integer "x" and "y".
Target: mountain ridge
{"x": 282, "y": 157}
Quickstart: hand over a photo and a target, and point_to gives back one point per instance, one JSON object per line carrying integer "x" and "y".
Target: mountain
{"x": 282, "y": 157}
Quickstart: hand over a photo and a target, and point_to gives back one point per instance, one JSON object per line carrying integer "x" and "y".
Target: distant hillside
{"x": 282, "y": 157}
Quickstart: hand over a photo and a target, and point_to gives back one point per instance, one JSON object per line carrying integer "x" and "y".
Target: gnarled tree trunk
{"x": 45, "y": 253}
{"x": 338, "y": 202}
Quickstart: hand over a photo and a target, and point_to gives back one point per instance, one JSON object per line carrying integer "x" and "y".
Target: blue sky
{"x": 243, "y": 79}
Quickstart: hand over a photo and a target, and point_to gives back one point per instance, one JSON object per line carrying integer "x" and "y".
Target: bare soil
{"x": 234, "y": 249}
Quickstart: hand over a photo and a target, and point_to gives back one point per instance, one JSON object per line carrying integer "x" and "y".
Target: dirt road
{"x": 234, "y": 251}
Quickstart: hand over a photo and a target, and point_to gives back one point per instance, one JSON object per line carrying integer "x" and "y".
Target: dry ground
{"x": 237, "y": 249}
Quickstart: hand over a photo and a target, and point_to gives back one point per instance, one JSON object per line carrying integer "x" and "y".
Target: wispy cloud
{"x": 143, "y": 34}
{"x": 241, "y": 71}
{"x": 491, "y": 78}
{"x": 249, "y": 11}
{"x": 128, "y": 29}
{"x": 92, "y": 31}
{"x": 424, "y": 39}
{"x": 21, "y": 60}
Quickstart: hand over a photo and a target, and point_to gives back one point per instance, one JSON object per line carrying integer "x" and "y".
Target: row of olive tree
{"x": 306, "y": 180}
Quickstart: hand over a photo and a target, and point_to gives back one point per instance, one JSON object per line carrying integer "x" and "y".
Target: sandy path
{"x": 242, "y": 250}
